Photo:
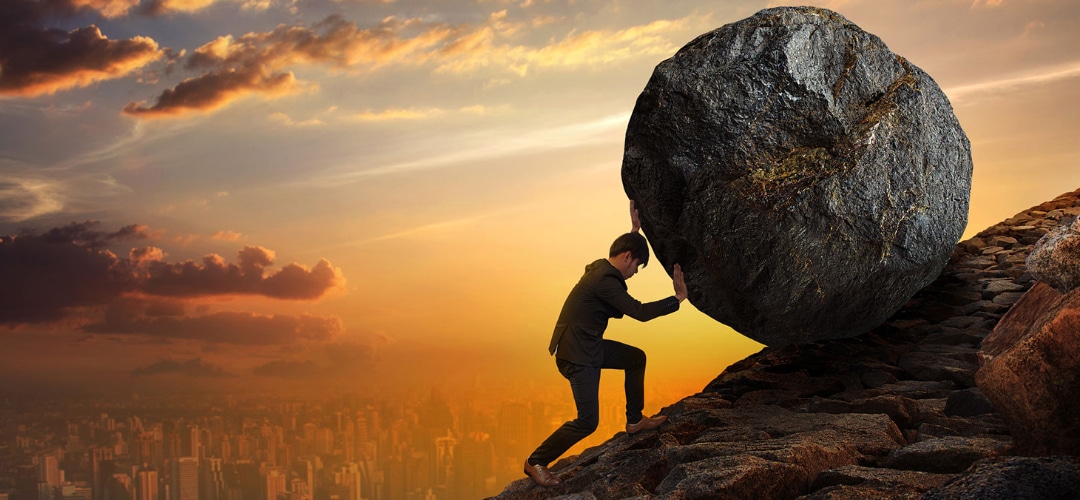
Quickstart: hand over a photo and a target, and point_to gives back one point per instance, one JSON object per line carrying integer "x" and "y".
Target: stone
{"x": 930, "y": 366}
{"x": 808, "y": 180}
{"x": 948, "y": 454}
{"x": 1055, "y": 259}
{"x": 1015, "y": 478}
{"x": 1007, "y": 298}
{"x": 873, "y": 482}
{"x": 968, "y": 403}
{"x": 1031, "y": 373}
{"x": 998, "y": 286}
{"x": 1015, "y": 324}
{"x": 732, "y": 478}
{"x": 1005, "y": 241}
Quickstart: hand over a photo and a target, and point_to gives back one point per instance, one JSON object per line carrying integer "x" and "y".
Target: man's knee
{"x": 638, "y": 358}
{"x": 587, "y": 425}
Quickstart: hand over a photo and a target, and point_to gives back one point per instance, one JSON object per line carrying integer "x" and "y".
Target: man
{"x": 581, "y": 352}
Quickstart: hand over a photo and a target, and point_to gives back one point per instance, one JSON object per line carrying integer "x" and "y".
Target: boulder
{"x": 1031, "y": 372}
{"x": 945, "y": 454}
{"x": 1016, "y": 478}
{"x": 1055, "y": 259}
{"x": 808, "y": 180}
{"x": 859, "y": 482}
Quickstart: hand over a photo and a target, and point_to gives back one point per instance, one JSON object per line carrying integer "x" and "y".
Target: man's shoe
{"x": 541, "y": 475}
{"x": 645, "y": 424}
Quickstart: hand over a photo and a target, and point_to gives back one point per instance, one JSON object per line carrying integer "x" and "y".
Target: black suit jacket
{"x": 599, "y": 294}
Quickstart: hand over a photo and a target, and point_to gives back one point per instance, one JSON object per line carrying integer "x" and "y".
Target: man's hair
{"x": 634, "y": 243}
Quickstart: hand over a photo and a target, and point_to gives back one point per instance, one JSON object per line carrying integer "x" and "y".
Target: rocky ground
{"x": 893, "y": 413}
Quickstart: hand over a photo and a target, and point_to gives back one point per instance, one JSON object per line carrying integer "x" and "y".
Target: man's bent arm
{"x": 613, "y": 292}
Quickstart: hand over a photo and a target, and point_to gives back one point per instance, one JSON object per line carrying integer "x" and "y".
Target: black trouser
{"x": 585, "y": 382}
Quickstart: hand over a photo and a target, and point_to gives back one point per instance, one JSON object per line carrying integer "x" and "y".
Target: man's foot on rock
{"x": 541, "y": 475}
{"x": 645, "y": 424}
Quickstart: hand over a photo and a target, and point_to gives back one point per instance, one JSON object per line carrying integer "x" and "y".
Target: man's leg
{"x": 631, "y": 359}
{"x": 585, "y": 383}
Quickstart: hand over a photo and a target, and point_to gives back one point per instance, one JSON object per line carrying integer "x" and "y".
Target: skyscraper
{"x": 49, "y": 470}
{"x": 212, "y": 480}
{"x": 146, "y": 484}
{"x": 185, "y": 479}
{"x": 275, "y": 483}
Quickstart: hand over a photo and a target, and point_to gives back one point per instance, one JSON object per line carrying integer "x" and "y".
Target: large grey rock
{"x": 808, "y": 180}
{"x": 1055, "y": 259}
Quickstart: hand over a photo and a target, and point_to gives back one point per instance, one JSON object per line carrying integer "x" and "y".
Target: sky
{"x": 382, "y": 194}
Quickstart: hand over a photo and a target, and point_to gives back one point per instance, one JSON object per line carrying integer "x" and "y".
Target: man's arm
{"x": 612, "y": 291}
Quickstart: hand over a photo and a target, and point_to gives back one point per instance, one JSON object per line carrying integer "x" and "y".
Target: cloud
{"x": 194, "y": 367}
{"x": 1037, "y": 76}
{"x": 108, "y": 8}
{"x": 225, "y": 327}
{"x": 37, "y": 60}
{"x": 288, "y": 121}
{"x": 258, "y": 63}
{"x": 47, "y": 275}
{"x": 22, "y": 199}
{"x": 226, "y": 236}
{"x": 158, "y": 7}
{"x": 497, "y": 144}
{"x": 53, "y": 275}
{"x": 213, "y": 276}
{"x": 214, "y": 90}
{"x": 587, "y": 49}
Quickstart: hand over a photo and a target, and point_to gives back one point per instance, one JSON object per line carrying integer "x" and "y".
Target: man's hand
{"x": 679, "y": 284}
{"x": 634, "y": 220}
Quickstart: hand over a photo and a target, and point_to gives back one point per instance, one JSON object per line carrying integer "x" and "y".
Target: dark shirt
{"x": 599, "y": 294}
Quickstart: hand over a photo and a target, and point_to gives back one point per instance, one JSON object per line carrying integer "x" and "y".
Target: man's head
{"x": 628, "y": 252}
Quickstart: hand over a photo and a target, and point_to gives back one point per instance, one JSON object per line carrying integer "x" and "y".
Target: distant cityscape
{"x": 344, "y": 447}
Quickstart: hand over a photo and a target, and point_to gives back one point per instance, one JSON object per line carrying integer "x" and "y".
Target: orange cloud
{"x": 108, "y": 8}
{"x": 256, "y": 63}
{"x": 37, "y": 60}
{"x": 586, "y": 49}
{"x": 216, "y": 277}
{"x": 211, "y": 91}
{"x": 226, "y": 236}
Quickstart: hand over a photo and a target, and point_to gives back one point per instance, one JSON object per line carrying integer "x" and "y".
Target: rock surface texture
{"x": 1055, "y": 260}
{"x": 1017, "y": 478}
{"x": 893, "y": 413}
{"x": 1031, "y": 371}
{"x": 808, "y": 180}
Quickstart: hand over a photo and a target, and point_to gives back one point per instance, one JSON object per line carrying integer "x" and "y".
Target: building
{"x": 185, "y": 479}
{"x": 146, "y": 484}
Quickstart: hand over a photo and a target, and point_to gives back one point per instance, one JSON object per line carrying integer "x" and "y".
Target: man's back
{"x": 600, "y": 294}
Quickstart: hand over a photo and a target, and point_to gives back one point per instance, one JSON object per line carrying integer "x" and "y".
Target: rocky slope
{"x": 893, "y": 413}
